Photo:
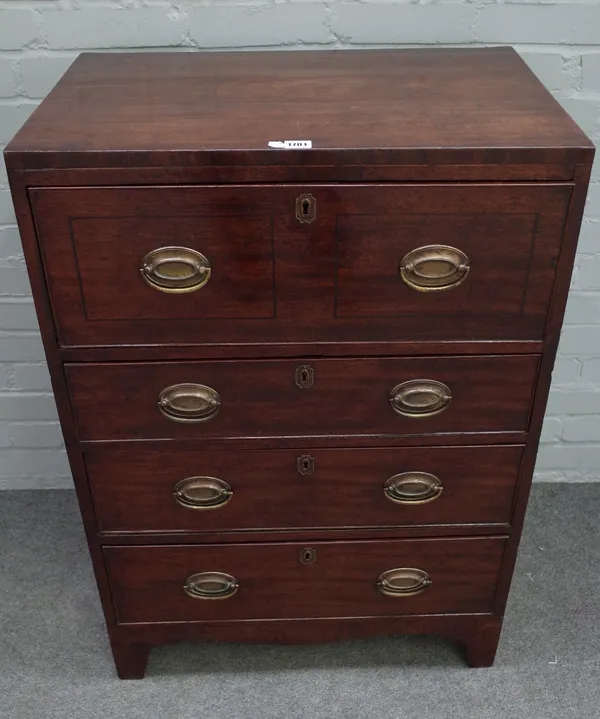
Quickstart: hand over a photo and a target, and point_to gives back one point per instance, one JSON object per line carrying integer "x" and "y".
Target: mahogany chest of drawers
{"x": 301, "y": 389}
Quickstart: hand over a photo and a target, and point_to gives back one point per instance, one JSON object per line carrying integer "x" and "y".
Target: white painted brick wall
{"x": 39, "y": 39}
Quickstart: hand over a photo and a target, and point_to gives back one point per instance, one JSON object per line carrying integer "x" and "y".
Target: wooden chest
{"x": 301, "y": 389}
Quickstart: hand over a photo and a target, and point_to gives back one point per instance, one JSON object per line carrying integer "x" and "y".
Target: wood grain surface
{"x": 275, "y": 279}
{"x": 261, "y": 399}
{"x": 356, "y": 107}
{"x": 133, "y": 487}
{"x": 147, "y": 582}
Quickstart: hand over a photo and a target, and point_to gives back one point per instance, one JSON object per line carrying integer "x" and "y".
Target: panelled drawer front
{"x": 198, "y": 265}
{"x": 287, "y": 398}
{"x": 151, "y": 489}
{"x": 129, "y": 255}
{"x": 323, "y": 579}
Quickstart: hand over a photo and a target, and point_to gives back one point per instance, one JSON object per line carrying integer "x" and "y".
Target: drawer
{"x": 323, "y": 579}
{"x": 297, "y": 263}
{"x": 154, "y": 489}
{"x": 289, "y": 398}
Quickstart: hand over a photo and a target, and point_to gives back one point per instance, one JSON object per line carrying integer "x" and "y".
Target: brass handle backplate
{"x": 433, "y": 268}
{"x": 211, "y": 585}
{"x": 175, "y": 269}
{"x": 202, "y": 493}
{"x": 189, "y": 402}
{"x": 412, "y": 488}
{"x": 403, "y": 582}
{"x": 420, "y": 398}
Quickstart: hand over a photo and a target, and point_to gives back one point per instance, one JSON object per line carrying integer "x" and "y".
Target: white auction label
{"x": 291, "y": 144}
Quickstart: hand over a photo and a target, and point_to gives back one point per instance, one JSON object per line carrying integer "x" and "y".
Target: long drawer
{"x": 300, "y": 263}
{"x": 154, "y": 489}
{"x": 323, "y": 579}
{"x": 289, "y": 398}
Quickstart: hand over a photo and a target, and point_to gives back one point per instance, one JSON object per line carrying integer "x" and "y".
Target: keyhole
{"x": 305, "y": 376}
{"x": 306, "y": 464}
{"x": 308, "y": 556}
{"x": 306, "y": 208}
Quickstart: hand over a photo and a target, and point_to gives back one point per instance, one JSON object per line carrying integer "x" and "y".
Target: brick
{"x": 8, "y": 86}
{"x": 566, "y": 475}
{"x": 235, "y": 26}
{"x": 566, "y": 369}
{"x": 583, "y": 309}
{"x": 403, "y": 23}
{"x": 587, "y": 276}
{"x": 18, "y": 462}
{"x": 579, "y": 340}
{"x": 589, "y": 237}
{"x": 591, "y": 71}
{"x": 4, "y": 436}
{"x": 573, "y": 401}
{"x": 590, "y": 370}
{"x": 581, "y": 429}
{"x": 549, "y": 475}
{"x": 592, "y": 205}
{"x": 21, "y": 348}
{"x": 35, "y": 434}
{"x": 570, "y": 457}
{"x": 12, "y": 118}
{"x": 10, "y": 243}
{"x": 18, "y": 316}
{"x": 94, "y": 27}
{"x": 574, "y": 24}
{"x": 5, "y": 377}
{"x": 549, "y": 69}
{"x": 37, "y": 481}
{"x": 585, "y": 112}
{"x": 31, "y": 377}
{"x": 40, "y": 74}
{"x": 18, "y": 28}
{"x": 27, "y": 406}
{"x": 14, "y": 281}
{"x": 551, "y": 429}
{"x": 7, "y": 210}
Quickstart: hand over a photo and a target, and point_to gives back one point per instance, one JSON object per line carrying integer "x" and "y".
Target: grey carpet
{"x": 55, "y": 661}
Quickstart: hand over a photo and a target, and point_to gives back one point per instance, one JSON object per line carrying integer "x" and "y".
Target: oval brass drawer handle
{"x": 420, "y": 398}
{"x": 412, "y": 488}
{"x": 211, "y": 585}
{"x": 202, "y": 493}
{"x": 189, "y": 402}
{"x": 403, "y": 582}
{"x": 433, "y": 268}
{"x": 175, "y": 269}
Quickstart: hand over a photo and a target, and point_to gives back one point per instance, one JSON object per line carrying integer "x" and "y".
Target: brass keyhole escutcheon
{"x": 305, "y": 464}
{"x": 306, "y": 208}
{"x": 305, "y": 376}
{"x": 308, "y": 555}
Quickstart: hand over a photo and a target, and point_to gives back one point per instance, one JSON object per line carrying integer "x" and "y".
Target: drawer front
{"x": 127, "y": 255}
{"x": 154, "y": 489}
{"x": 323, "y": 579}
{"x": 252, "y": 264}
{"x": 288, "y": 398}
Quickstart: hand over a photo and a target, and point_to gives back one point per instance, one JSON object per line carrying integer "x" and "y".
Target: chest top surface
{"x": 111, "y": 109}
